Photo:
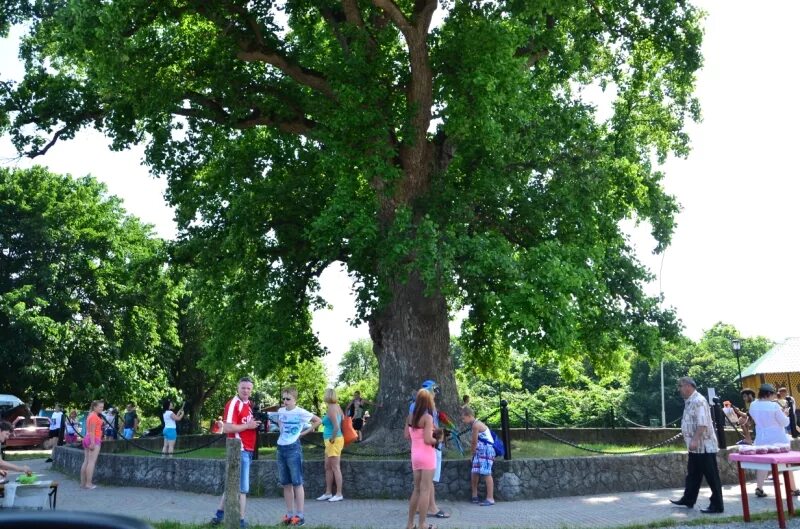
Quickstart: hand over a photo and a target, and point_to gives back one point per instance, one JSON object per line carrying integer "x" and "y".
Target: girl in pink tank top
{"x": 423, "y": 456}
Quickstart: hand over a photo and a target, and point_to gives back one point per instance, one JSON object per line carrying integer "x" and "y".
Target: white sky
{"x": 734, "y": 256}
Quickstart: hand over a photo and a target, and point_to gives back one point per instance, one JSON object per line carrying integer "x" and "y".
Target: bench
{"x": 52, "y": 494}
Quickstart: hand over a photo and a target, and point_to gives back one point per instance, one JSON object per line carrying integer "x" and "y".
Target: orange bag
{"x": 348, "y": 432}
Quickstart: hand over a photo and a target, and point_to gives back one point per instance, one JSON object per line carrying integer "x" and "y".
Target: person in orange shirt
{"x": 91, "y": 443}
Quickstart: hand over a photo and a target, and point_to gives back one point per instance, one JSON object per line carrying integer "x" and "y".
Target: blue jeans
{"x": 290, "y": 464}
{"x": 244, "y": 477}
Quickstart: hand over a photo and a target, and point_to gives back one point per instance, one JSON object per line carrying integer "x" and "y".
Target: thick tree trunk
{"x": 411, "y": 340}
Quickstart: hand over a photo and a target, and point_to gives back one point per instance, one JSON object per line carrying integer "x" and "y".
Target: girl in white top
{"x": 171, "y": 428}
{"x": 771, "y": 421}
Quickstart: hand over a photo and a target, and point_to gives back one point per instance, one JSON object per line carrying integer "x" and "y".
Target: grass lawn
{"x": 520, "y": 449}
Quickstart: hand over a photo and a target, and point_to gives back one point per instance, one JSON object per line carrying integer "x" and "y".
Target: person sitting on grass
{"x": 482, "y": 448}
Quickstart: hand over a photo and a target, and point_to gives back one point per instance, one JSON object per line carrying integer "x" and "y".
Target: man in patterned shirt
{"x": 698, "y": 432}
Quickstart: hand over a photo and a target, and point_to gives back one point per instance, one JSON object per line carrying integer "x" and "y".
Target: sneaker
{"x": 218, "y": 517}
{"x": 287, "y": 520}
{"x": 338, "y": 497}
{"x": 325, "y": 497}
{"x": 242, "y": 523}
{"x": 297, "y": 521}
{"x": 48, "y": 460}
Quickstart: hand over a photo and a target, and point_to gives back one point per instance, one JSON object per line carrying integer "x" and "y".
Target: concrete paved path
{"x": 592, "y": 510}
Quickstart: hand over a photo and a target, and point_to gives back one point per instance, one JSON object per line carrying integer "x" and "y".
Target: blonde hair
{"x": 330, "y": 396}
{"x": 291, "y": 390}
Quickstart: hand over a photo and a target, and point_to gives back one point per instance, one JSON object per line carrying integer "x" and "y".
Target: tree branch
{"x": 533, "y": 52}
{"x": 218, "y": 114}
{"x": 253, "y": 52}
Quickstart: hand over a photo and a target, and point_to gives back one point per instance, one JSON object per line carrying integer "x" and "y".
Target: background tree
{"x": 86, "y": 308}
{"x": 449, "y": 165}
{"x": 711, "y": 362}
{"x": 358, "y": 363}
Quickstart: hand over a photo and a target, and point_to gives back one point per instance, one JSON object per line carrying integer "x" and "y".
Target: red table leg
{"x": 776, "y": 480}
{"x": 743, "y": 487}
{"x": 789, "y": 499}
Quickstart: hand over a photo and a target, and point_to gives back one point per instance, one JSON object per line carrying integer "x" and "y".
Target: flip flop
{"x": 486, "y": 503}
{"x": 441, "y": 514}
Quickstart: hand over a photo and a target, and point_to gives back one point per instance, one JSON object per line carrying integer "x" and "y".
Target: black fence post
{"x": 611, "y": 418}
{"x": 527, "y": 424}
{"x": 505, "y": 430}
{"x": 719, "y": 420}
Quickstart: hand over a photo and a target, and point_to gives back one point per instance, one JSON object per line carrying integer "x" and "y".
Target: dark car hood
{"x": 9, "y": 414}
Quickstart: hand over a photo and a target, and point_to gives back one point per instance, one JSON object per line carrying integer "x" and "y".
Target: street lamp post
{"x": 737, "y": 346}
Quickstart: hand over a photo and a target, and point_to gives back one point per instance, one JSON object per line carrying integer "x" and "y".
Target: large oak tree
{"x": 446, "y": 152}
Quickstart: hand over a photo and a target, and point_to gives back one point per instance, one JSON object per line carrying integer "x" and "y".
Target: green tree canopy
{"x": 358, "y": 363}
{"x": 448, "y": 165}
{"x": 86, "y": 307}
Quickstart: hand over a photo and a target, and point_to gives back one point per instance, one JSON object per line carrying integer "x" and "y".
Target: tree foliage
{"x": 358, "y": 363}
{"x": 86, "y": 307}
{"x": 448, "y": 165}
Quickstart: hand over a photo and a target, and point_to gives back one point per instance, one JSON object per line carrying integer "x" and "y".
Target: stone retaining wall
{"x": 514, "y": 480}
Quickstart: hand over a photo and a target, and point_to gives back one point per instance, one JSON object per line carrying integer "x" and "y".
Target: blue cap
{"x": 429, "y": 384}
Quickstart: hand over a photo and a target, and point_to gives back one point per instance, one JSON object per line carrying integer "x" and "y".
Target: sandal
{"x": 796, "y": 492}
{"x": 486, "y": 503}
{"x": 440, "y": 514}
{"x": 476, "y": 500}
{"x": 760, "y": 492}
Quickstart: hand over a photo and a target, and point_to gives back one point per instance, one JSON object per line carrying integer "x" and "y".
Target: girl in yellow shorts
{"x": 334, "y": 443}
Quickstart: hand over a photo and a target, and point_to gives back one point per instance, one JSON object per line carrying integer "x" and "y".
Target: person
{"x": 239, "y": 423}
{"x": 170, "y": 428}
{"x": 72, "y": 428}
{"x": 356, "y": 410}
{"x": 698, "y": 432}
{"x": 91, "y": 443}
{"x": 290, "y": 419}
{"x": 111, "y": 419}
{"x": 420, "y": 431}
{"x": 5, "y": 432}
{"x": 130, "y": 421}
{"x": 482, "y": 449}
{"x": 333, "y": 439}
{"x": 787, "y": 404}
{"x": 748, "y": 396}
{"x": 217, "y": 425}
{"x": 770, "y": 420}
{"x": 433, "y": 388}
{"x": 54, "y": 435}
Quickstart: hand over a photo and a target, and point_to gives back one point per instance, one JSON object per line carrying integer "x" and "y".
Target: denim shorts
{"x": 290, "y": 464}
{"x": 127, "y": 433}
{"x": 244, "y": 476}
{"x": 170, "y": 434}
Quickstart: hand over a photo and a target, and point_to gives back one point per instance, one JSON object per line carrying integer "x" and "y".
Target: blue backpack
{"x": 498, "y": 445}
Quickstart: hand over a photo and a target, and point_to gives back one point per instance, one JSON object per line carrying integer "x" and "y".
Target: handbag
{"x": 348, "y": 432}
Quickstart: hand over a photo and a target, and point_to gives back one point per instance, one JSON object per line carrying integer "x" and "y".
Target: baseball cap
{"x": 767, "y": 387}
{"x": 429, "y": 384}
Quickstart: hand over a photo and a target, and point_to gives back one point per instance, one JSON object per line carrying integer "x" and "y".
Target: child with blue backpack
{"x": 483, "y": 454}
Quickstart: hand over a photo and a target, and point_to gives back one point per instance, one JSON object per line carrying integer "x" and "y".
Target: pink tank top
{"x": 423, "y": 456}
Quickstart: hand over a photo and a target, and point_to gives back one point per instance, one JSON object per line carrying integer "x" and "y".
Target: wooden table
{"x": 777, "y": 463}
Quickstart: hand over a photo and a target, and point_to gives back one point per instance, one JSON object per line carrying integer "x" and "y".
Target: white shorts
{"x": 438, "y": 472}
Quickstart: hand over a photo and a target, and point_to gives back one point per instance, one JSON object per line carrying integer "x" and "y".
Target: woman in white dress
{"x": 771, "y": 421}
